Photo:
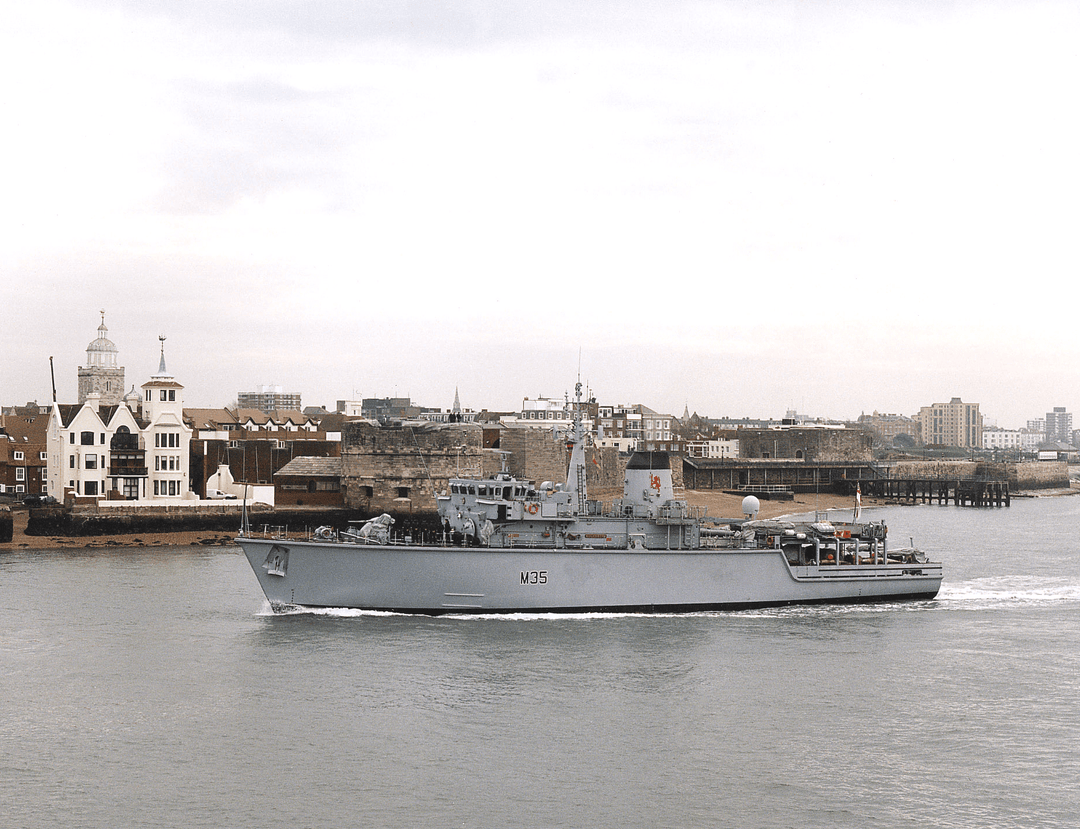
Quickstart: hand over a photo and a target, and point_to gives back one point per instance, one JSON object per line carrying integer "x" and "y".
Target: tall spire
{"x": 162, "y": 371}
{"x": 457, "y": 402}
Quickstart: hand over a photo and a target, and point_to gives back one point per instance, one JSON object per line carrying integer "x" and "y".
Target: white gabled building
{"x": 136, "y": 450}
{"x": 167, "y": 438}
{"x": 80, "y": 444}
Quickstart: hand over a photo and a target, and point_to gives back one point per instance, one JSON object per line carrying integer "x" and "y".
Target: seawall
{"x": 57, "y": 520}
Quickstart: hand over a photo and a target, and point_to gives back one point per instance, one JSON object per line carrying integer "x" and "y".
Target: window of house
{"x": 148, "y": 400}
{"x": 164, "y": 397}
{"x": 18, "y": 455}
{"x": 71, "y": 437}
{"x": 91, "y": 488}
{"x": 86, "y": 438}
{"x": 102, "y": 441}
{"x": 20, "y": 473}
{"x": 71, "y": 461}
{"x": 402, "y": 492}
{"x": 43, "y": 456}
{"x": 91, "y": 461}
{"x": 172, "y": 395}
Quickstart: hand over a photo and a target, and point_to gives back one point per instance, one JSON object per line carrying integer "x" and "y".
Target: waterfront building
{"x": 23, "y": 454}
{"x": 954, "y": 423}
{"x": 163, "y": 414}
{"x": 136, "y": 449}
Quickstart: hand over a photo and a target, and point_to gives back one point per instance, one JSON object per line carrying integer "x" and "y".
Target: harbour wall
{"x": 1020, "y": 476}
{"x": 1041, "y": 475}
{"x": 58, "y": 520}
{"x": 80, "y": 520}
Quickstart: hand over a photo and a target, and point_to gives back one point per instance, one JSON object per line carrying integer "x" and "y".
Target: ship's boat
{"x": 508, "y": 546}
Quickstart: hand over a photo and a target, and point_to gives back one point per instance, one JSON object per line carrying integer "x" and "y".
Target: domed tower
{"x": 101, "y": 375}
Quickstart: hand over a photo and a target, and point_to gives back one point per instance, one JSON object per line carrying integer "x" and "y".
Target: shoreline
{"x": 718, "y": 504}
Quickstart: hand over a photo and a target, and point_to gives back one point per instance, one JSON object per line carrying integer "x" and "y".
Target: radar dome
{"x": 751, "y": 506}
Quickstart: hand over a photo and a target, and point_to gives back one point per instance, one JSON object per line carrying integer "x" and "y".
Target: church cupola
{"x": 102, "y": 375}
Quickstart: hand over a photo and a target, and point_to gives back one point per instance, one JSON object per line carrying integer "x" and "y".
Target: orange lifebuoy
{"x": 532, "y": 508}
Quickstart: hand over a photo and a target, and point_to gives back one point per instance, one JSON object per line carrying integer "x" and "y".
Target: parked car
{"x": 34, "y": 500}
{"x": 218, "y": 495}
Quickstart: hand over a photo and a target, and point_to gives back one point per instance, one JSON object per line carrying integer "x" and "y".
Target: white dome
{"x": 102, "y": 351}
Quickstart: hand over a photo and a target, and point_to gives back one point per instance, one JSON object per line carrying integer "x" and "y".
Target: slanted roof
{"x": 254, "y": 415}
{"x": 309, "y": 466}
{"x": 208, "y": 418}
{"x": 29, "y": 429}
{"x": 295, "y": 415}
{"x": 106, "y": 413}
{"x": 68, "y": 412}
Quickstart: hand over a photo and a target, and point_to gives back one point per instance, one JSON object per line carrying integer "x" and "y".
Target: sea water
{"x": 152, "y": 687}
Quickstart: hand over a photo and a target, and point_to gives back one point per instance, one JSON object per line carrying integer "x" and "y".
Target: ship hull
{"x": 437, "y": 580}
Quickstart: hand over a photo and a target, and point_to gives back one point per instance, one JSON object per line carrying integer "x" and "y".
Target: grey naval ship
{"x": 509, "y": 547}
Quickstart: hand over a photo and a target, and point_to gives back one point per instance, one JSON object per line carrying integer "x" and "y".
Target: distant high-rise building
{"x": 268, "y": 399}
{"x": 1059, "y": 425}
{"x": 952, "y": 424}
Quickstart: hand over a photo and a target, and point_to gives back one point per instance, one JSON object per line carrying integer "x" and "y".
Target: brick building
{"x": 254, "y": 445}
{"x": 23, "y": 455}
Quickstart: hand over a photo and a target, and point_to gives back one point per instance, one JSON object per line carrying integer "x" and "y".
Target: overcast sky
{"x": 740, "y": 207}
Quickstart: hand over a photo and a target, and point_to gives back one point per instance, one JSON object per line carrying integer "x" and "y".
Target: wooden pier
{"x": 962, "y": 484}
{"x": 961, "y": 492}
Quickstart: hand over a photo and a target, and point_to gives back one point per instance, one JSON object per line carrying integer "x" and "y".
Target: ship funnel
{"x": 648, "y": 479}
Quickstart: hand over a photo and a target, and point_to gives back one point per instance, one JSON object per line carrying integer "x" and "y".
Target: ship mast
{"x": 575, "y": 475}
